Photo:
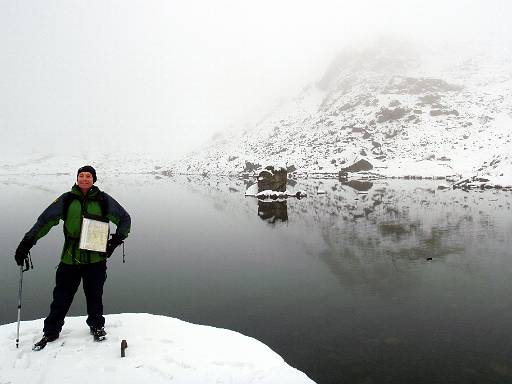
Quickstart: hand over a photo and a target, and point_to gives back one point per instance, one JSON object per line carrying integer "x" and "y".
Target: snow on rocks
{"x": 272, "y": 178}
{"x": 432, "y": 116}
{"x": 269, "y": 194}
{"x": 161, "y": 350}
{"x": 252, "y": 190}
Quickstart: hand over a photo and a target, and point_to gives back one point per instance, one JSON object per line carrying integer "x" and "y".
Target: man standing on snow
{"x": 78, "y": 262}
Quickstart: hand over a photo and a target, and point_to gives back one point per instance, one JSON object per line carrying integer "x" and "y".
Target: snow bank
{"x": 160, "y": 350}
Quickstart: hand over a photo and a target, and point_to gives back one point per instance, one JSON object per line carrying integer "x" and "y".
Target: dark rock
{"x": 390, "y": 135}
{"x": 386, "y": 114}
{"x": 417, "y": 86}
{"x": 291, "y": 183}
{"x": 440, "y": 112}
{"x": 429, "y": 99}
{"x": 358, "y": 166}
{"x": 273, "y": 179}
{"x": 365, "y": 133}
{"x": 251, "y": 167}
{"x": 300, "y": 194}
{"x": 277, "y": 152}
{"x": 377, "y": 151}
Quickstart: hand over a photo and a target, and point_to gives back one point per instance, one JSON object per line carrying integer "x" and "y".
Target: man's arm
{"x": 118, "y": 215}
{"x": 48, "y": 219}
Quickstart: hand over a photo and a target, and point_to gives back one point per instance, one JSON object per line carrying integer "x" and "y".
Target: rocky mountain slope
{"x": 409, "y": 111}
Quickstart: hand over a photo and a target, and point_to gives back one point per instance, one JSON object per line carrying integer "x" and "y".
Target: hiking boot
{"x": 99, "y": 334}
{"x": 45, "y": 340}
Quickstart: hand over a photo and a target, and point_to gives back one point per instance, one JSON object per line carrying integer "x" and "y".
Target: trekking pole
{"x": 28, "y": 265}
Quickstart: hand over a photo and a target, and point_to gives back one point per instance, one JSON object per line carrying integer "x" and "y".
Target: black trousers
{"x": 67, "y": 280}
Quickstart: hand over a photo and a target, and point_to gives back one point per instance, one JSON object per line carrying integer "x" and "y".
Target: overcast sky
{"x": 159, "y": 75}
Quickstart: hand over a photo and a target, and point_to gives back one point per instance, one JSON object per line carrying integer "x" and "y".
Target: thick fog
{"x": 164, "y": 76}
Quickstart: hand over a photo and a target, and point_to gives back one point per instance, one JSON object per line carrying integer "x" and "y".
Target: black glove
{"x": 23, "y": 249}
{"x": 114, "y": 242}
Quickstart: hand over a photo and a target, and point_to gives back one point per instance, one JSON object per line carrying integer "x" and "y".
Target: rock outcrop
{"x": 273, "y": 179}
{"x": 359, "y": 166}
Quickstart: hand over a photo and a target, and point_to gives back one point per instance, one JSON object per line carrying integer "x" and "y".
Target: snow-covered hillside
{"x": 46, "y": 163}
{"x": 410, "y": 111}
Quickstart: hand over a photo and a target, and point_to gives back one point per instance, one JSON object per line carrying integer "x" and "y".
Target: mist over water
{"x": 166, "y": 77}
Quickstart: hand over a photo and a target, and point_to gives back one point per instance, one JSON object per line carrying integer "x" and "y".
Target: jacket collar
{"x": 93, "y": 191}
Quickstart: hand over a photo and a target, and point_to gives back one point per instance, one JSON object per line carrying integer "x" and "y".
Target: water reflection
{"x": 273, "y": 211}
{"x": 344, "y": 291}
{"x": 393, "y": 221}
{"x": 358, "y": 185}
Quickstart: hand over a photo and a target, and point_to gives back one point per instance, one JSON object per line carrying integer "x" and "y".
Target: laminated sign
{"x": 94, "y": 235}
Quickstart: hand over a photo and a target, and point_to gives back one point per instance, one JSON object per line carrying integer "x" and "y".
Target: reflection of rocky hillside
{"x": 400, "y": 226}
{"x": 403, "y": 216}
{"x": 408, "y": 111}
{"x": 410, "y": 220}
{"x": 366, "y": 237}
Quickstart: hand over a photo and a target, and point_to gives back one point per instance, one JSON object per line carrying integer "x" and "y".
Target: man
{"x": 85, "y": 200}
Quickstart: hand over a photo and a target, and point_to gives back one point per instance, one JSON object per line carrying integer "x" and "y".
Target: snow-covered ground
{"x": 47, "y": 163}
{"x": 160, "y": 350}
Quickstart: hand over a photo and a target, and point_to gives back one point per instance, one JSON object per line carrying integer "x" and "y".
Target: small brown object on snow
{"x": 124, "y": 345}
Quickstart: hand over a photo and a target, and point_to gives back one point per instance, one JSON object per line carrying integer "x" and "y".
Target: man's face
{"x": 84, "y": 180}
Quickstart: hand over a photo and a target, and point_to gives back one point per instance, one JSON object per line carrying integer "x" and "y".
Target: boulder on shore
{"x": 358, "y": 166}
{"x": 272, "y": 178}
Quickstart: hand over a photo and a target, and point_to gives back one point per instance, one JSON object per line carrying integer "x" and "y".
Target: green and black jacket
{"x": 70, "y": 207}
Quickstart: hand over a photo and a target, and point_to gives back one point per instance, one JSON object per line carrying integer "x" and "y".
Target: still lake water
{"x": 405, "y": 283}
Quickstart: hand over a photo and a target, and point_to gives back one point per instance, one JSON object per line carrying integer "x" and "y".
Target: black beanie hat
{"x": 87, "y": 168}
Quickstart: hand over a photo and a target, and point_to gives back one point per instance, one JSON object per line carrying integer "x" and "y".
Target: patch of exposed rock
{"x": 417, "y": 86}
{"x": 251, "y": 167}
{"x": 387, "y": 114}
{"x": 273, "y": 179}
{"x": 359, "y": 166}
